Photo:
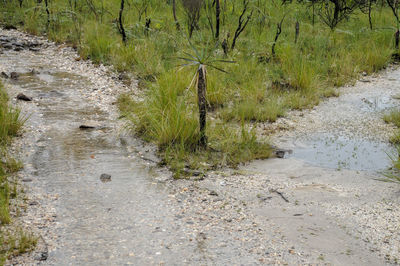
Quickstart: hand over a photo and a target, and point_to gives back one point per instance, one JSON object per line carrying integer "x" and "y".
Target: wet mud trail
{"x": 298, "y": 210}
{"x": 93, "y": 222}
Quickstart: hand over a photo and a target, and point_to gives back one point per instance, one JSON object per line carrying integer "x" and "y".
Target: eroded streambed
{"x": 299, "y": 210}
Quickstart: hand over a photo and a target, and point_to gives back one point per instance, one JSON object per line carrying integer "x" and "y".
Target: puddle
{"x": 343, "y": 152}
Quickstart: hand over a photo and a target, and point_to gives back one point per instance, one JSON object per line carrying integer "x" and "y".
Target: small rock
{"x": 27, "y": 180}
{"x": 23, "y": 97}
{"x": 86, "y": 127}
{"x": 4, "y": 75}
{"x": 7, "y": 46}
{"x": 280, "y": 153}
{"x": 43, "y": 256}
{"x": 14, "y": 75}
{"x": 105, "y": 178}
{"x": 213, "y": 193}
{"x": 33, "y": 203}
{"x": 10, "y": 27}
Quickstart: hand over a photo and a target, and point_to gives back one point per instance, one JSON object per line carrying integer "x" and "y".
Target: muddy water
{"x": 348, "y": 132}
{"x": 127, "y": 220}
{"x": 343, "y": 152}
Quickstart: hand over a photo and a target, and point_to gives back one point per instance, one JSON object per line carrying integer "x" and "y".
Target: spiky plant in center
{"x": 201, "y": 60}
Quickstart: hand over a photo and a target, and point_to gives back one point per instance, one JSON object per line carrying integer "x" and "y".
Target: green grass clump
{"x": 11, "y": 243}
{"x": 394, "y": 118}
{"x": 15, "y": 243}
{"x": 10, "y": 124}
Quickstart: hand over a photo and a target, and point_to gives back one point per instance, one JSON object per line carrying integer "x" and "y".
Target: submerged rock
{"x": 83, "y": 127}
{"x": 23, "y": 97}
{"x": 105, "y": 178}
{"x": 4, "y": 75}
{"x": 14, "y": 75}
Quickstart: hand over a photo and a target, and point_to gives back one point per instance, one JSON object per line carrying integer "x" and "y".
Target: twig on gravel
{"x": 280, "y": 194}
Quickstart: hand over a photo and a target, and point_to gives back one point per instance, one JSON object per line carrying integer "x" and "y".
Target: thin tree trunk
{"x": 178, "y": 27}
{"x": 313, "y": 13}
{"x": 201, "y": 94}
{"x": 297, "y": 32}
{"x": 121, "y": 26}
{"x": 369, "y": 13}
{"x": 397, "y": 39}
{"x": 47, "y": 12}
{"x": 217, "y": 18}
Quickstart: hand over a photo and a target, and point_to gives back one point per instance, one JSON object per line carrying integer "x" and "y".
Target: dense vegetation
{"x": 242, "y": 62}
{"x": 13, "y": 240}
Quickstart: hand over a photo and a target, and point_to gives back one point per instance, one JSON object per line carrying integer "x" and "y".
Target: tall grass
{"x": 10, "y": 124}
{"x": 258, "y": 88}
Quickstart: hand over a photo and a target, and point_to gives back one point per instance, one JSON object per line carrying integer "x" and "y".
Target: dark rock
{"x": 280, "y": 153}
{"x": 14, "y": 75}
{"x": 43, "y": 256}
{"x": 17, "y": 49}
{"x": 7, "y": 46}
{"x": 105, "y": 178}
{"x": 213, "y": 193}
{"x": 27, "y": 180}
{"x": 23, "y": 97}
{"x": 83, "y": 127}
{"x": 4, "y": 75}
{"x": 33, "y": 203}
{"x": 10, "y": 27}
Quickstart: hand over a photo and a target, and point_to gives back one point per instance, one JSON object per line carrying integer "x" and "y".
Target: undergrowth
{"x": 12, "y": 242}
{"x": 260, "y": 87}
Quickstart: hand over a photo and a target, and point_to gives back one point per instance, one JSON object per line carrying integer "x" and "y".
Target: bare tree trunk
{"x": 217, "y": 18}
{"x": 297, "y": 32}
{"x": 121, "y": 26}
{"x": 313, "y": 13}
{"x": 147, "y": 26}
{"x": 47, "y": 12}
{"x": 369, "y": 13}
{"x": 242, "y": 24}
{"x": 201, "y": 95}
{"x": 278, "y": 32}
{"x": 178, "y": 27}
{"x": 397, "y": 37}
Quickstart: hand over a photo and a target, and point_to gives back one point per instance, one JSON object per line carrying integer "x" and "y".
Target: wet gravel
{"x": 280, "y": 211}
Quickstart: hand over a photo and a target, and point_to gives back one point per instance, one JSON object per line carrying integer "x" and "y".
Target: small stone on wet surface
{"x": 105, "y": 178}
{"x": 23, "y": 97}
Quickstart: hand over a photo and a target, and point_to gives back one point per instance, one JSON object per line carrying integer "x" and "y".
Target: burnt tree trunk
{"x": 178, "y": 27}
{"x": 297, "y": 32}
{"x": 217, "y": 18}
{"x": 46, "y": 2}
{"x": 369, "y": 14}
{"x": 121, "y": 26}
{"x": 202, "y": 102}
{"x": 147, "y": 26}
{"x": 278, "y": 32}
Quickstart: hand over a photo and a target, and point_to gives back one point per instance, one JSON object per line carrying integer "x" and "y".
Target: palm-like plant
{"x": 201, "y": 59}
